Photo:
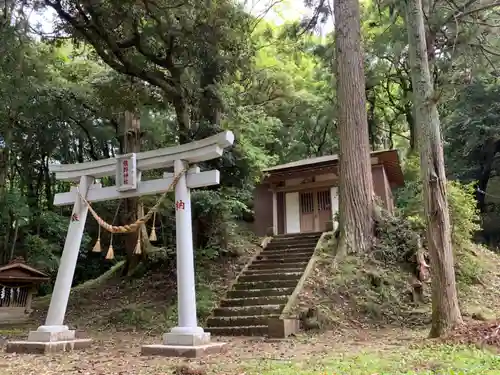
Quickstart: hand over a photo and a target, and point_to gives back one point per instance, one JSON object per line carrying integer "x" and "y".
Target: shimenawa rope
{"x": 137, "y": 224}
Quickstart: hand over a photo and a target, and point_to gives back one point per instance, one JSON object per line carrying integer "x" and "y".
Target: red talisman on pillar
{"x": 179, "y": 205}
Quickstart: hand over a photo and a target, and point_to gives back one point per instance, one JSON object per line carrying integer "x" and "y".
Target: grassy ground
{"x": 349, "y": 352}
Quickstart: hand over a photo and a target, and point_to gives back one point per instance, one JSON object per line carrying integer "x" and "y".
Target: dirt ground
{"x": 119, "y": 353}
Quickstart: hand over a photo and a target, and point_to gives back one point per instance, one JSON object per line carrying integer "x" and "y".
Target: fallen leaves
{"x": 480, "y": 334}
{"x": 118, "y": 353}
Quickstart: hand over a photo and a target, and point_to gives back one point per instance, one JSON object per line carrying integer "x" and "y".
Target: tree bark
{"x": 356, "y": 186}
{"x": 132, "y": 143}
{"x": 4, "y": 171}
{"x": 445, "y": 310}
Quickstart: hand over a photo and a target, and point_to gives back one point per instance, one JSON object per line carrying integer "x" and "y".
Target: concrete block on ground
{"x": 183, "y": 351}
{"x": 48, "y": 347}
{"x": 281, "y": 328}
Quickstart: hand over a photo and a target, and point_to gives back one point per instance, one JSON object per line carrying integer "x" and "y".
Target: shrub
{"x": 463, "y": 212}
{"x": 464, "y": 215}
{"x": 214, "y": 216}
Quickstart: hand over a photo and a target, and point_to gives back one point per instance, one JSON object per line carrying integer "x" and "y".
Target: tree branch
{"x": 94, "y": 31}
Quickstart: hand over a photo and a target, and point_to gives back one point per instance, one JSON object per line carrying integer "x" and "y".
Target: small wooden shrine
{"x": 18, "y": 283}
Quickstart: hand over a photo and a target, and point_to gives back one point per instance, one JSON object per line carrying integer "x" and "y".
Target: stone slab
{"x": 183, "y": 351}
{"x": 33, "y": 347}
{"x": 47, "y": 336}
{"x": 281, "y": 328}
{"x": 186, "y": 339}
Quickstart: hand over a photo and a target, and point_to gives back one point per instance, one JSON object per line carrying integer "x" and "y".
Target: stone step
{"x": 278, "y": 266}
{"x": 254, "y": 301}
{"x": 288, "y": 250}
{"x": 297, "y": 235}
{"x": 292, "y": 258}
{"x": 286, "y": 245}
{"x": 272, "y": 276}
{"x": 248, "y": 310}
{"x": 264, "y": 284}
{"x": 238, "y": 321}
{"x": 265, "y": 292}
{"x": 283, "y": 260}
{"x": 294, "y": 241}
{"x": 238, "y": 331}
{"x": 263, "y": 271}
{"x": 284, "y": 253}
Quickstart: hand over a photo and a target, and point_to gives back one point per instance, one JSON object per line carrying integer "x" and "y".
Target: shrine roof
{"x": 17, "y": 270}
{"x": 388, "y": 158}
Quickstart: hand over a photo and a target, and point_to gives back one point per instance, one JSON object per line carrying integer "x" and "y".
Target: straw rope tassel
{"x": 138, "y": 246}
{"x": 152, "y": 236}
{"x": 138, "y": 250}
{"x": 97, "y": 247}
{"x": 111, "y": 252}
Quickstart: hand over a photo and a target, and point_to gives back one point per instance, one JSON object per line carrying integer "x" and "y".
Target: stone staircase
{"x": 264, "y": 287}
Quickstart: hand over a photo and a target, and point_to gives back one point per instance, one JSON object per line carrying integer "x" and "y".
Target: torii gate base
{"x": 185, "y": 340}
{"x": 68, "y": 343}
{"x": 188, "y": 346}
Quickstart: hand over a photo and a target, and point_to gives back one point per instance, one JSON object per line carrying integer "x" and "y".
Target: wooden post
{"x": 29, "y": 298}
{"x": 275, "y": 213}
{"x": 132, "y": 143}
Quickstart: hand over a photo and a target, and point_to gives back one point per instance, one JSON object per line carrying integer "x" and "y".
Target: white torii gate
{"x": 185, "y": 339}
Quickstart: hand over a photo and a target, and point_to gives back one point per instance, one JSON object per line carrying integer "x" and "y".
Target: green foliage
{"x": 214, "y": 213}
{"x": 42, "y": 253}
{"x": 463, "y": 212}
{"x": 189, "y": 75}
{"x": 469, "y": 123}
{"x": 64, "y": 105}
{"x": 464, "y": 217}
{"x": 14, "y": 203}
{"x": 472, "y": 133}
{"x": 54, "y": 227}
{"x": 396, "y": 242}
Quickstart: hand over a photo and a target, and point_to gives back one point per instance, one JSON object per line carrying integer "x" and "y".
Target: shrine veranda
{"x": 187, "y": 338}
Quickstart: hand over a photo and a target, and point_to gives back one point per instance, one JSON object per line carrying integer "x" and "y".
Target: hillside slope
{"x": 364, "y": 291}
{"x": 146, "y": 302}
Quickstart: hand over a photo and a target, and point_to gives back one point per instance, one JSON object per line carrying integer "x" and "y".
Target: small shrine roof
{"x": 17, "y": 270}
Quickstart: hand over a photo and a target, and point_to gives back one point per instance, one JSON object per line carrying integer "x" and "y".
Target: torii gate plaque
{"x": 187, "y": 339}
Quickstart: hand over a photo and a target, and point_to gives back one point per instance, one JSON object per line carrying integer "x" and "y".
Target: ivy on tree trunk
{"x": 445, "y": 311}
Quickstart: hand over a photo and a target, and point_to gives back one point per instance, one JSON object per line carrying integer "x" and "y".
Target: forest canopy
{"x": 190, "y": 71}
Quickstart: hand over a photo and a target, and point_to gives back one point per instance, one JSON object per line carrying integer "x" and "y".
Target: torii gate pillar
{"x": 187, "y": 339}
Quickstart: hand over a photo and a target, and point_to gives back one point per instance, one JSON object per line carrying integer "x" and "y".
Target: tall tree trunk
{"x": 356, "y": 186}
{"x": 445, "y": 310}
{"x": 210, "y": 103}
{"x": 48, "y": 184}
{"x": 132, "y": 143}
{"x": 410, "y": 119}
{"x": 372, "y": 122}
{"x": 4, "y": 166}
